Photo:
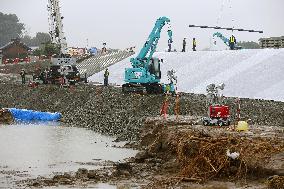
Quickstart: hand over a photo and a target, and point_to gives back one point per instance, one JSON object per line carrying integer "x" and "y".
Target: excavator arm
{"x": 146, "y": 53}
{"x": 225, "y": 40}
{"x": 222, "y": 37}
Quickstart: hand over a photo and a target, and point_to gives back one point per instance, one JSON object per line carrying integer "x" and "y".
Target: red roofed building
{"x": 14, "y": 50}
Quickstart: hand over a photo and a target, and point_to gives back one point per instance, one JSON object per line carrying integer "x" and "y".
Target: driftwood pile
{"x": 204, "y": 157}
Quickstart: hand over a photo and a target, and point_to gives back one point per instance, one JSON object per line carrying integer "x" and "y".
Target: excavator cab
{"x": 154, "y": 67}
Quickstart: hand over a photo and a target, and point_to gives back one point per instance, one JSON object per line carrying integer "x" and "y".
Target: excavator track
{"x": 151, "y": 88}
{"x": 154, "y": 88}
{"x": 133, "y": 88}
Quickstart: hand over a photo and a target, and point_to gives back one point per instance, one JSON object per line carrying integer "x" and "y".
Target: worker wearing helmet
{"x": 183, "y": 45}
{"x": 194, "y": 44}
{"x": 170, "y": 45}
{"x": 23, "y": 76}
{"x": 106, "y": 74}
{"x": 232, "y": 42}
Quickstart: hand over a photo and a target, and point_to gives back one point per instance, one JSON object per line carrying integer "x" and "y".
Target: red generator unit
{"x": 218, "y": 115}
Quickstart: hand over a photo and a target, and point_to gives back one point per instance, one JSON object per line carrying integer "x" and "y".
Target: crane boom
{"x": 151, "y": 43}
{"x": 221, "y": 36}
{"x": 56, "y": 26}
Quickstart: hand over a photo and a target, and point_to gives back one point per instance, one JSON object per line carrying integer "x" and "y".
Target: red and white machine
{"x": 219, "y": 114}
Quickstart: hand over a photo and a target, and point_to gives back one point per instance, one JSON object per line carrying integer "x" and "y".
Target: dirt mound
{"x": 276, "y": 182}
{"x": 229, "y": 157}
{"x": 206, "y": 153}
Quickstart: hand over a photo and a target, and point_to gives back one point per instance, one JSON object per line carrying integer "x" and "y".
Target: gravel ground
{"x": 29, "y": 67}
{"x": 107, "y": 110}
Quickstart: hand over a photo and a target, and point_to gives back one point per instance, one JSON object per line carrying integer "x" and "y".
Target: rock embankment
{"x": 107, "y": 110}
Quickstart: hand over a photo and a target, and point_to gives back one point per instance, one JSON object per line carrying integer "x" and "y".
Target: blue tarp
{"x": 31, "y": 115}
{"x": 93, "y": 50}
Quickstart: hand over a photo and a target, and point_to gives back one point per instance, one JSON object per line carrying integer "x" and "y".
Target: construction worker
{"x": 104, "y": 49}
{"x": 45, "y": 76}
{"x": 194, "y": 44}
{"x": 61, "y": 81}
{"x": 106, "y": 74}
{"x": 183, "y": 45}
{"x": 23, "y": 76}
{"x": 170, "y": 45}
{"x": 232, "y": 42}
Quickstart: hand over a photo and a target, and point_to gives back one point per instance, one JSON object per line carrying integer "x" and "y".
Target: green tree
{"x": 37, "y": 52}
{"x": 27, "y": 40}
{"x": 248, "y": 45}
{"x": 50, "y": 48}
{"x": 39, "y": 39}
{"x": 10, "y": 28}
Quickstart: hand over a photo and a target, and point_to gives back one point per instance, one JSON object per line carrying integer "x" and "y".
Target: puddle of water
{"x": 28, "y": 151}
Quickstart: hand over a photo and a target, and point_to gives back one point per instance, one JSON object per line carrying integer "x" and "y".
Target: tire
{"x": 205, "y": 122}
{"x": 220, "y": 123}
{"x": 228, "y": 123}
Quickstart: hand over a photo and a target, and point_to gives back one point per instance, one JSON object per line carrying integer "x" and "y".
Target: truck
{"x": 145, "y": 74}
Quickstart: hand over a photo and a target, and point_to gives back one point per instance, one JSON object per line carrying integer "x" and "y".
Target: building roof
{"x": 15, "y": 41}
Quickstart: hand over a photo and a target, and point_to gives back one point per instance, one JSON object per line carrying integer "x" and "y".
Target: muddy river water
{"x": 44, "y": 149}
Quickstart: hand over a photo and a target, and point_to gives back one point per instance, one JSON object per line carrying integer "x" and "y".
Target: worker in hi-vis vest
{"x": 232, "y": 42}
{"x": 106, "y": 74}
{"x": 194, "y": 44}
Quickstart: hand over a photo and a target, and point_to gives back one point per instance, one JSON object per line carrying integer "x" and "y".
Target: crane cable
{"x": 218, "y": 20}
{"x": 231, "y": 14}
{"x": 221, "y": 12}
{"x": 220, "y": 15}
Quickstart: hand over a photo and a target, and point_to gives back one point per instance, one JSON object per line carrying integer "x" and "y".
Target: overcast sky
{"x": 125, "y": 23}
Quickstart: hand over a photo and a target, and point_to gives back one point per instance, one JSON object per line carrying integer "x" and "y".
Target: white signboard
{"x": 138, "y": 75}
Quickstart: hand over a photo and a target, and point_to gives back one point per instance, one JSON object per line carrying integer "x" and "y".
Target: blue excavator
{"x": 225, "y": 40}
{"x": 145, "y": 74}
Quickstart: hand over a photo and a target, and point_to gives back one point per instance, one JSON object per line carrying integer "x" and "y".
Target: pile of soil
{"x": 195, "y": 153}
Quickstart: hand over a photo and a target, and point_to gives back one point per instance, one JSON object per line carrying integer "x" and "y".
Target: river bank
{"x": 108, "y": 111}
{"x": 126, "y": 116}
